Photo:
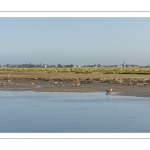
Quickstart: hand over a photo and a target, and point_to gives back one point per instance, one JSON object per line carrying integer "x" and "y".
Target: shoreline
{"x": 124, "y": 85}
{"x": 119, "y": 89}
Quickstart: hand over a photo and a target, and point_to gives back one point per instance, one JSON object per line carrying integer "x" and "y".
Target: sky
{"x": 78, "y": 41}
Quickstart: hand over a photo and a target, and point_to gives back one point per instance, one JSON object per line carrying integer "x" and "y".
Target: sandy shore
{"x": 45, "y": 86}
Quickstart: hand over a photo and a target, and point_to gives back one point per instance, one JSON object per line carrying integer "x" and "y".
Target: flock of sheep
{"x": 52, "y": 85}
{"x": 80, "y": 81}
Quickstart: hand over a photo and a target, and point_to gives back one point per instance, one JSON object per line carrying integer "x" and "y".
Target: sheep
{"x": 16, "y": 85}
{"x": 32, "y": 83}
{"x": 77, "y": 83}
{"x": 8, "y": 80}
{"x": 108, "y": 90}
{"x": 52, "y": 86}
{"x": 55, "y": 82}
{"x": 3, "y": 84}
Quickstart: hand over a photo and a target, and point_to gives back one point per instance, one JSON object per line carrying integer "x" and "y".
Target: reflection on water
{"x": 72, "y": 112}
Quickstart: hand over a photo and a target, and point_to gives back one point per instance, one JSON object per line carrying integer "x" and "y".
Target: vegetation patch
{"x": 103, "y": 70}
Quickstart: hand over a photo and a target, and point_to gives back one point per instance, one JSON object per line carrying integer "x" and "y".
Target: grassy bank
{"x": 81, "y": 70}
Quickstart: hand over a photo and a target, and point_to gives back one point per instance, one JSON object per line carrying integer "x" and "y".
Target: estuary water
{"x": 66, "y": 112}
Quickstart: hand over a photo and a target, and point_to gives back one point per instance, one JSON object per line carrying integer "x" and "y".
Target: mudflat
{"x": 121, "y": 84}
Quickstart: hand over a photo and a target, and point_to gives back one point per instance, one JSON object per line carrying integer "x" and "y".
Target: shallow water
{"x": 96, "y": 112}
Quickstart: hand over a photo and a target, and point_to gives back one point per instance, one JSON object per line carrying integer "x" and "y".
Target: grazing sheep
{"x": 52, "y": 86}
{"x": 32, "y": 83}
{"x": 8, "y": 80}
{"x": 55, "y": 82}
{"x": 77, "y": 83}
{"x": 3, "y": 84}
{"x": 108, "y": 90}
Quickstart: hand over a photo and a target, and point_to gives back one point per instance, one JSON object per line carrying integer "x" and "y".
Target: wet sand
{"x": 138, "y": 90}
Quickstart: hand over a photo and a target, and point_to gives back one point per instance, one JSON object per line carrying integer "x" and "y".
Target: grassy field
{"x": 81, "y": 70}
{"x": 76, "y": 72}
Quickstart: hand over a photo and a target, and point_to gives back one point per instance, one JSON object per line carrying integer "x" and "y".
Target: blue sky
{"x": 77, "y": 41}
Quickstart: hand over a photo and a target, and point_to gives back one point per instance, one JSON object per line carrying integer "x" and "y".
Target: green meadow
{"x": 105, "y": 70}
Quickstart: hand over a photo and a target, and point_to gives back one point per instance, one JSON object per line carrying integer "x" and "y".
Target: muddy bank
{"x": 139, "y": 87}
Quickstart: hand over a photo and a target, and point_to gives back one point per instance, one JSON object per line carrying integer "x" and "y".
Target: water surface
{"x": 93, "y": 112}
